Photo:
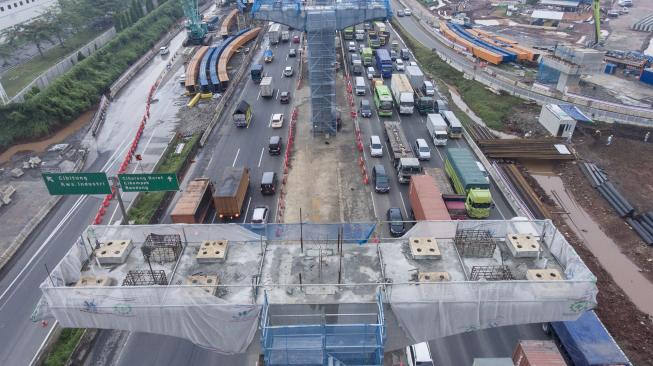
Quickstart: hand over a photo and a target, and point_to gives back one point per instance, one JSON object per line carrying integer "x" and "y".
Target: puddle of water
{"x": 624, "y": 272}
{"x": 41, "y": 146}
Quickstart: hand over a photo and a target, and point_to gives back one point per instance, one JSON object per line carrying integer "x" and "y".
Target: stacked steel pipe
{"x": 643, "y": 226}
{"x": 538, "y": 149}
{"x": 528, "y": 196}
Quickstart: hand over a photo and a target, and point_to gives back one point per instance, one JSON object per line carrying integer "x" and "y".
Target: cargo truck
{"x": 268, "y": 56}
{"x": 468, "y": 180}
{"x": 256, "y": 72}
{"x": 402, "y": 93}
{"x": 274, "y": 33}
{"x": 455, "y": 127}
{"x": 357, "y": 67}
{"x": 403, "y": 159}
{"x": 285, "y": 36}
{"x": 348, "y": 33}
{"x": 360, "y": 33}
{"x": 367, "y": 56}
{"x": 425, "y": 103}
{"x": 373, "y": 40}
{"x": 195, "y": 202}
{"x": 426, "y": 199}
{"x": 437, "y": 128}
{"x": 266, "y": 87}
{"x": 242, "y": 115}
{"x": 534, "y": 353}
{"x": 586, "y": 342}
{"x": 384, "y": 63}
{"x": 381, "y": 32}
{"x": 455, "y": 202}
{"x": 230, "y": 192}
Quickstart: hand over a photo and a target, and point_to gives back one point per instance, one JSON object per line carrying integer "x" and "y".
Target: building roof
{"x": 547, "y": 14}
{"x": 566, "y": 3}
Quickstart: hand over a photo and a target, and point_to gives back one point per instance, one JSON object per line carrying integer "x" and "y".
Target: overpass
{"x": 317, "y": 293}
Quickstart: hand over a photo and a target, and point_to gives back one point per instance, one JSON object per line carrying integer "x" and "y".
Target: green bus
{"x": 349, "y": 33}
{"x": 367, "y": 56}
{"x": 383, "y": 100}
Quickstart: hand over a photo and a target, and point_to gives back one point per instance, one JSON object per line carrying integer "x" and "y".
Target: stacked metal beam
{"x": 525, "y": 191}
{"x": 535, "y": 149}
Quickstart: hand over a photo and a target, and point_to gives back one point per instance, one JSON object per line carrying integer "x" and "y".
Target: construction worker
{"x": 610, "y": 138}
{"x": 646, "y": 137}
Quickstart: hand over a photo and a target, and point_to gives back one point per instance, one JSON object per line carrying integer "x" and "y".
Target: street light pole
{"x": 120, "y": 203}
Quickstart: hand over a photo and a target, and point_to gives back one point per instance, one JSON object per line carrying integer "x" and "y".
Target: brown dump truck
{"x": 195, "y": 202}
{"x": 230, "y": 192}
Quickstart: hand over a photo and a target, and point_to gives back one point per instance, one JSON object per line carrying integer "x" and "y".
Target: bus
{"x": 384, "y": 62}
{"x": 367, "y": 56}
{"x": 382, "y": 32}
{"x": 383, "y": 100}
{"x": 349, "y": 33}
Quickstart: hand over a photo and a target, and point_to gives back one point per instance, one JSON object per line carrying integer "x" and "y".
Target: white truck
{"x": 274, "y": 33}
{"x": 437, "y": 127}
{"x": 360, "y": 33}
{"x": 266, "y": 87}
{"x": 402, "y": 93}
{"x": 285, "y": 36}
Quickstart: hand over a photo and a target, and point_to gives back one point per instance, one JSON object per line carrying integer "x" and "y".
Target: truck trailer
{"x": 402, "y": 93}
{"x": 426, "y": 199}
{"x": 195, "y": 202}
{"x": 425, "y": 103}
{"x": 230, "y": 192}
{"x": 403, "y": 159}
{"x": 266, "y": 87}
{"x": 468, "y": 180}
{"x": 437, "y": 128}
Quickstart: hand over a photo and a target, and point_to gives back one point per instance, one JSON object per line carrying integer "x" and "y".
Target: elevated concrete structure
{"x": 309, "y": 297}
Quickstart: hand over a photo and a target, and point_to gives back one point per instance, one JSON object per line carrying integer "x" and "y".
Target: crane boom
{"x": 196, "y": 28}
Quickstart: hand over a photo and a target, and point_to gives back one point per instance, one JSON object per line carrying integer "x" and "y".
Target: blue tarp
{"x": 588, "y": 343}
{"x": 575, "y": 113}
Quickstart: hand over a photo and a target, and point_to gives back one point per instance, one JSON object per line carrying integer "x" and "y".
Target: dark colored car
{"x": 365, "y": 108}
{"x": 393, "y": 55}
{"x": 381, "y": 182}
{"x": 396, "y": 222}
{"x": 274, "y": 148}
{"x": 405, "y": 54}
{"x": 284, "y": 97}
{"x": 292, "y": 52}
{"x": 268, "y": 183}
{"x": 295, "y": 39}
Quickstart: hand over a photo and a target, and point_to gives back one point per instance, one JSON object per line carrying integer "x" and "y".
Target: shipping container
{"x": 195, "y": 202}
{"x": 647, "y": 76}
{"x": 537, "y": 353}
{"x": 426, "y": 199}
{"x": 230, "y": 192}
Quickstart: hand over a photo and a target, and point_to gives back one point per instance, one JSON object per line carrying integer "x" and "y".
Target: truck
{"x": 536, "y": 353}
{"x": 437, "y": 128}
{"x": 384, "y": 63}
{"x": 242, "y": 115}
{"x": 586, "y": 342}
{"x": 195, "y": 202}
{"x": 381, "y": 31}
{"x": 268, "y": 56}
{"x": 367, "y": 56}
{"x": 455, "y": 203}
{"x": 360, "y": 33}
{"x": 357, "y": 67}
{"x": 403, "y": 159}
{"x": 373, "y": 39}
{"x": 426, "y": 200}
{"x": 285, "y": 36}
{"x": 274, "y": 33}
{"x": 455, "y": 127}
{"x": 266, "y": 87}
{"x": 230, "y": 192}
{"x": 468, "y": 180}
{"x": 425, "y": 103}
{"x": 402, "y": 93}
{"x": 256, "y": 72}
{"x": 348, "y": 33}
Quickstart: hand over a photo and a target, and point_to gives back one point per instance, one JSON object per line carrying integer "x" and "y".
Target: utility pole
{"x": 120, "y": 203}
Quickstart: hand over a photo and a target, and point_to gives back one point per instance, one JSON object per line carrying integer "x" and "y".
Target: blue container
{"x": 610, "y": 68}
{"x": 647, "y": 76}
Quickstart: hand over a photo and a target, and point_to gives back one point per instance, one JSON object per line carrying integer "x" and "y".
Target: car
{"x": 295, "y": 39}
{"x": 381, "y": 182}
{"x": 352, "y": 46}
{"x": 405, "y": 54}
{"x": 408, "y": 12}
{"x": 288, "y": 71}
{"x": 400, "y": 13}
{"x": 399, "y": 65}
{"x": 274, "y": 145}
{"x": 367, "y": 26}
{"x": 370, "y": 72}
{"x": 396, "y": 222}
{"x": 354, "y": 57}
{"x": 276, "y": 120}
{"x": 164, "y": 50}
{"x": 260, "y": 217}
{"x": 422, "y": 149}
{"x": 292, "y": 52}
{"x": 376, "y": 149}
{"x": 393, "y": 55}
{"x": 365, "y": 109}
{"x": 419, "y": 354}
{"x": 284, "y": 97}
{"x": 268, "y": 183}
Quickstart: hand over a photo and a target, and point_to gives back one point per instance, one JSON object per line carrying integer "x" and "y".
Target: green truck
{"x": 367, "y": 56}
{"x": 469, "y": 180}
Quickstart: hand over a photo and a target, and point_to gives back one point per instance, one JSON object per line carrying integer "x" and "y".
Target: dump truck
{"x": 402, "y": 93}
{"x": 242, "y": 115}
{"x": 267, "y": 90}
{"x": 426, "y": 199}
{"x": 403, "y": 159}
{"x": 469, "y": 180}
{"x": 586, "y": 342}
{"x": 455, "y": 202}
{"x": 230, "y": 192}
{"x": 256, "y": 72}
{"x": 437, "y": 128}
{"x": 195, "y": 202}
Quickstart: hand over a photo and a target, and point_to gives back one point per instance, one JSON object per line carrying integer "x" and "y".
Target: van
{"x": 381, "y": 182}
{"x": 268, "y": 183}
{"x": 376, "y": 149}
{"x": 419, "y": 355}
{"x": 365, "y": 108}
{"x": 360, "y": 85}
{"x": 428, "y": 88}
{"x": 274, "y": 147}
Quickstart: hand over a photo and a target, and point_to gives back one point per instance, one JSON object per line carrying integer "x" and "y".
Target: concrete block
{"x": 94, "y": 281}
{"x": 114, "y": 251}
{"x": 433, "y": 277}
{"x": 17, "y": 172}
{"x": 424, "y": 248}
{"x": 544, "y": 275}
{"x": 522, "y": 245}
{"x": 212, "y": 251}
{"x": 208, "y": 283}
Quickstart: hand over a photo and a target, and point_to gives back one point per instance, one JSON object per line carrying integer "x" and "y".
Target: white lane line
{"x": 236, "y": 158}
{"x": 403, "y": 203}
{"x": 215, "y": 215}
{"x": 439, "y": 154}
{"x": 503, "y": 217}
{"x": 47, "y": 337}
{"x": 276, "y": 96}
{"x": 249, "y": 201}
{"x": 260, "y": 158}
{"x": 373, "y": 205}
{"x": 122, "y": 349}
{"x": 259, "y": 95}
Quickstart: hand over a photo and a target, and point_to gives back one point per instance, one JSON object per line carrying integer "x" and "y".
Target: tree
{"x": 36, "y": 32}
{"x": 149, "y": 6}
{"x": 12, "y": 35}
{"x": 57, "y": 23}
{"x": 80, "y": 56}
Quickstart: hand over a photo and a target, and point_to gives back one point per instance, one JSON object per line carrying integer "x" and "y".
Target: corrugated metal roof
{"x": 547, "y": 14}
{"x": 569, "y": 3}
{"x": 575, "y": 113}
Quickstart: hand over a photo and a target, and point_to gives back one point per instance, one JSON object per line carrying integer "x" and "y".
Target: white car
{"x": 370, "y": 73}
{"x": 164, "y": 50}
{"x": 399, "y": 65}
{"x": 408, "y": 12}
{"x": 422, "y": 150}
{"x": 376, "y": 149}
{"x": 276, "y": 120}
{"x": 288, "y": 71}
{"x": 352, "y": 46}
{"x": 260, "y": 217}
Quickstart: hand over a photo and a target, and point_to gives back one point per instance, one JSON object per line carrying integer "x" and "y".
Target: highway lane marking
{"x": 236, "y": 158}
{"x": 403, "y": 203}
{"x": 277, "y": 95}
{"x": 259, "y": 95}
{"x": 122, "y": 349}
{"x": 45, "y": 340}
{"x": 215, "y": 215}
{"x": 439, "y": 154}
{"x": 373, "y": 205}
{"x": 249, "y": 201}
{"x": 261, "y": 157}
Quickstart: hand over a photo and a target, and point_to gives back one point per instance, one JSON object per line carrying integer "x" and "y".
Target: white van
{"x": 360, "y": 85}
{"x": 419, "y": 355}
{"x": 376, "y": 149}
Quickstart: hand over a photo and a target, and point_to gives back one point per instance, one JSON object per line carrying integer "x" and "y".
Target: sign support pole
{"x": 120, "y": 203}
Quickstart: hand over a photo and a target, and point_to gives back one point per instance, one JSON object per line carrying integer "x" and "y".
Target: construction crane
{"x": 596, "y": 7}
{"x": 197, "y": 29}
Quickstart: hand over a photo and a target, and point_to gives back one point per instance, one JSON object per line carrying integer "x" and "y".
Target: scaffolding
{"x": 491, "y": 273}
{"x": 162, "y": 248}
{"x": 475, "y": 243}
{"x": 145, "y": 278}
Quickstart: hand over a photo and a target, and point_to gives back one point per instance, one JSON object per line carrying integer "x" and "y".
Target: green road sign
{"x": 148, "y": 182}
{"x": 77, "y": 183}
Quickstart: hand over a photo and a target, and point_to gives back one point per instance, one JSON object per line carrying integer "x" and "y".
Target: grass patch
{"x": 147, "y": 203}
{"x": 490, "y": 107}
{"x": 64, "y": 347}
{"x": 17, "y": 78}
